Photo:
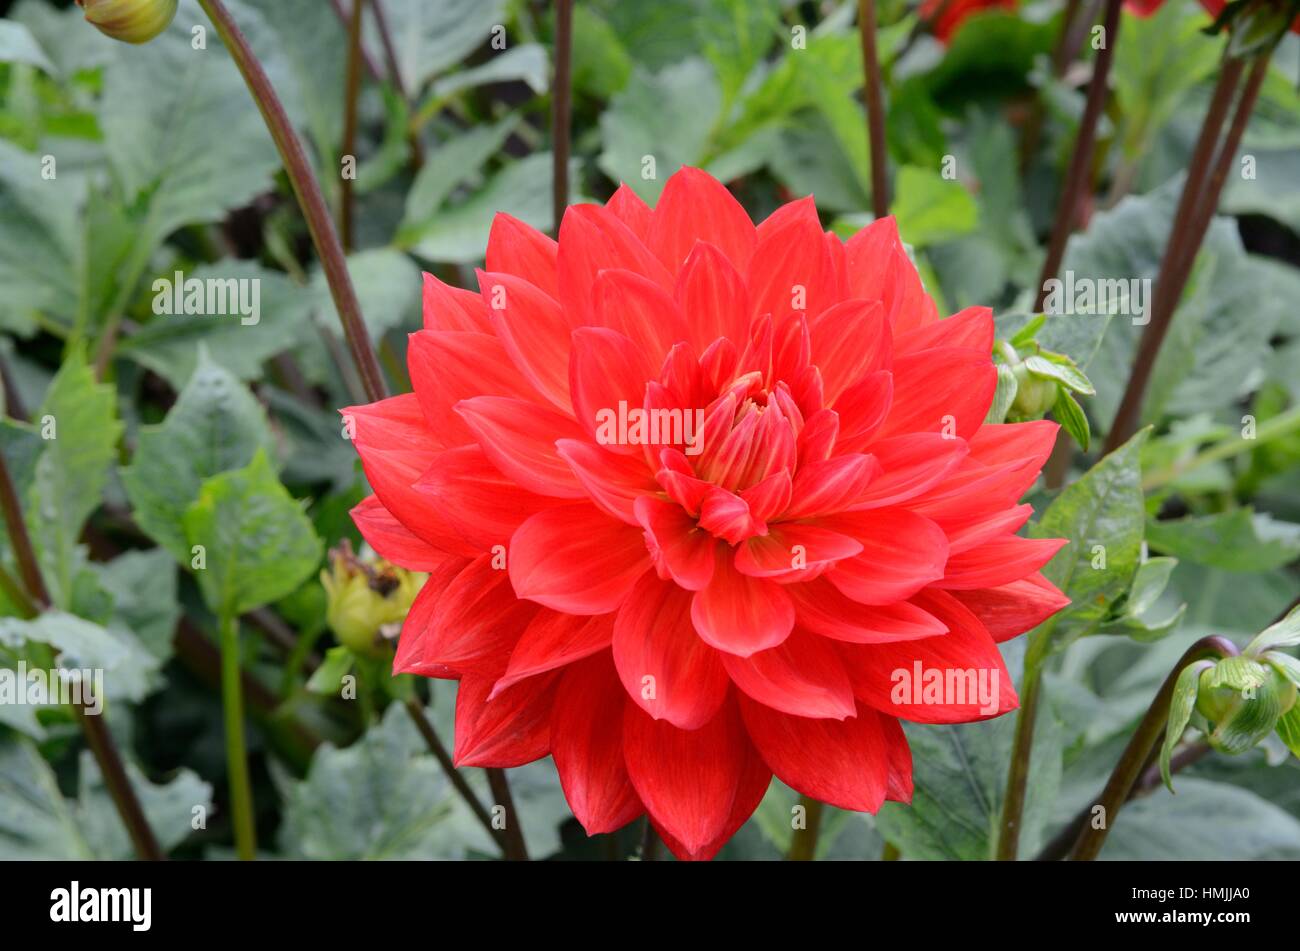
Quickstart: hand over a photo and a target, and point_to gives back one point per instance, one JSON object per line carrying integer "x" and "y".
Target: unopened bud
{"x": 368, "y": 599}
{"x": 131, "y": 21}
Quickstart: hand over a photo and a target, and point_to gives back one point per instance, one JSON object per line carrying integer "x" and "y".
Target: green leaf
{"x": 1102, "y": 516}
{"x": 1288, "y": 729}
{"x": 216, "y": 425}
{"x": 328, "y": 677}
{"x": 667, "y": 116}
{"x": 145, "y": 605}
{"x": 1181, "y": 705}
{"x": 80, "y": 645}
{"x": 259, "y": 544}
{"x": 1059, "y": 367}
{"x": 80, "y": 418}
{"x": 1071, "y": 416}
{"x": 431, "y": 35}
{"x": 1206, "y": 820}
{"x": 1237, "y": 540}
{"x": 38, "y": 823}
{"x": 1003, "y": 396}
{"x": 527, "y": 63}
{"x": 931, "y": 209}
{"x": 387, "y": 284}
{"x": 457, "y": 160}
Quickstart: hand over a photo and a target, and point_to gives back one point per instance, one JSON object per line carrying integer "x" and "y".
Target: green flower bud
{"x": 367, "y": 600}
{"x": 1034, "y": 394}
{"x": 1242, "y": 699}
{"x": 131, "y": 21}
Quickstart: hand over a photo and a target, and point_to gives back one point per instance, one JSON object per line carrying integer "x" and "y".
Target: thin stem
{"x": 1134, "y": 758}
{"x": 890, "y": 853}
{"x": 1079, "y": 175}
{"x": 352, "y": 91}
{"x": 1062, "y": 55}
{"x": 1182, "y": 241}
{"x": 562, "y": 108}
{"x": 97, "y": 736}
{"x": 650, "y": 841}
{"x": 1013, "y": 802}
{"x": 875, "y": 107}
{"x": 1281, "y": 425}
{"x": 232, "y": 702}
{"x": 803, "y": 844}
{"x": 458, "y": 782}
{"x": 345, "y": 18}
{"x": 308, "y": 192}
{"x": 513, "y": 834}
{"x": 395, "y": 76}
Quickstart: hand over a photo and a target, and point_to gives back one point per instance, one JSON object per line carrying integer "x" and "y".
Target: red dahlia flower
{"x": 677, "y": 611}
{"x": 947, "y": 15}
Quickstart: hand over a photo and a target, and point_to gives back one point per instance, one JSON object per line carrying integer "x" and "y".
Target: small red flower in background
{"x": 1146, "y": 8}
{"x": 946, "y": 15}
{"x": 677, "y": 616}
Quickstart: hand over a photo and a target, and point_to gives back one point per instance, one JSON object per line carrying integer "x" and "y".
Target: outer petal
{"x": 712, "y": 294}
{"x": 606, "y": 369}
{"x": 945, "y": 390}
{"x": 612, "y": 480}
{"x": 849, "y": 341}
{"x": 901, "y": 553}
{"x": 802, "y": 676}
{"x": 844, "y": 763}
{"x": 688, "y": 779}
{"x": 1012, "y": 609}
{"x": 576, "y": 559}
{"x": 510, "y": 729}
{"x": 520, "y": 249}
{"x": 587, "y": 743}
{"x": 793, "y": 551}
{"x": 912, "y": 464}
{"x": 554, "y": 640}
{"x": 593, "y": 239}
{"x": 886, "y": 675}
{"x": 641, "y": 310}
{"x": 451, "y": 308}
{"x": 519, "y": 437}
{"x": 821, "y": 608}
{"x": 790, "y": 266}
{"x": 972, "y": 328}
{"x": 740, "y": 614}
{"x": 447, "y": 367}
{"x": 627, "y": 206}
{"x": 999, "y": 562}
{"x": 392, "y": 540}
{"x": 533, "y": 330}
{"x": 665, "y": 668}
{"x": 696, "y": 206}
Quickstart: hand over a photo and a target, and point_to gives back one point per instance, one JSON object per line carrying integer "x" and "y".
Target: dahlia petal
{"x": 803, "y": 676}
{"x": 752, "y": 786}
{"x": 593, "y": 239}
{"x": 886, "y": 675}
{"x": 770, "y": 497}
{"x": 712, "y": 294}
{"x": 452, "y": 308}
{"x": 998, "y": 562}
{"x": 902, "y": 552}
{"x": 965, "y": 534}
{"x": 686, "y": 490}
{"x": 696, "y": 206}
{"x": 817, "y": 439}
{"x": 849, "y": 341}
{"x": 587, "y": 744}
{"x": 844, "y": 763}
{"x": 1031, "y": 442}
{"x": 409, "y": 657}
{"x": 862, "y": 409}
{"x": 518, "y": 437}
{"x": 640, "y": 310}
{"x": 687, "y": 550}
{"x": 627, "y": 206}
{"x": 793, "y": 550}
{"x": 879, "y": 269}
{"x": 971, "y": 329}
{"x": 666, "y": 670}
{"x": 607, "y": 369}
{"x": 576, "y": 559}
{"x": 911, "y": 465}
{"x": 511, "y": 728}
{"x": 687, "y": 779}
{"x": 520, "y": 249}
{"x": 613, "y": 481}
{"x": 447, "y": 367}
{"x": 900, "y": 761}
{"x": 944, "y": 390}
{"x": 483, "y": 505}
{"x": 790, "y": 267}
{"x": 553, "y": 640}
{"x": 821, "y": 608}
{"x": 739, "y": 614}
{"x": 470, "y": 623}
{"x": 725, "y": 514}
{"x": 1012, "y": 609}
{"x": 832, "y": 485}
{"x": 533, "y": 330}
{"x": 392, "y": 540}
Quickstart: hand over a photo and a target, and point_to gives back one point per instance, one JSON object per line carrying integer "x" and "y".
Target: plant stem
{"x": 1135, "y": 755}
{"x": 458, "y": 782}
{"x": 561, "y": 110}
{"x": 1013, "y": 802}
{"x": 1080, "y": 171}
{"x": 308, "y": 192}
{"x": 1184, "y": 242}
{"x": 395, "y": 76}
{"x": 650, "y": 842}
{"x": 1281, "y": 425}
{"x": 345, "y": 18}
{"x": 875, "y": 107}
{"x": 232, "y": 702}
{"x": 803, "y": 844}
{"x": 98, "y": 738}
{"x": 1062, "y": 55}
{"x": 890, "y": 853}
{"x": 352, "y": 91}
{"x": 513, "y": 834}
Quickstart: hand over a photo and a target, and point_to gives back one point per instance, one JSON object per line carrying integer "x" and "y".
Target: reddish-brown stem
{"x": 561, "y": 109}
{"x": 345, "y": 18}
{"x": 875, "y": 107}
{"x": 1183, "y": 243}
{"x": 395, "y": 76}
{"x": 803, "y": 844}
{"x": 1079, "y": 175}
{"x": 308, "y": 192}
{"x": 512, "y": 836}
{"x": 352, "y": 92}
{"x": 1136, "y": 754}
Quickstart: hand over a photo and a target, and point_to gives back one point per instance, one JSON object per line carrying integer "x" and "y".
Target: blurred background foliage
{"x": 163, "y": 165}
